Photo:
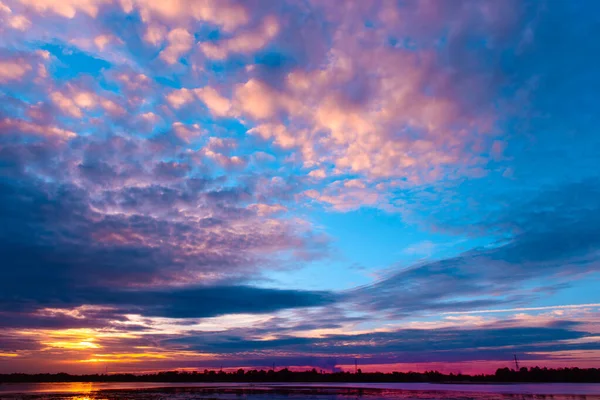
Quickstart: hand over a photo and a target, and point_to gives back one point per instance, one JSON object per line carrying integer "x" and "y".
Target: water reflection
{"x": 237, "y": 391}
{"x": 79, "y": 387}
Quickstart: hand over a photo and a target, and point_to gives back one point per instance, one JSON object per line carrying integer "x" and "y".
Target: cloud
{"x": 19, "y": 22}
{"x": 150, "y": 117}
{"x": 258, "y": 100}
{"x": 22, "y": 127}
{"x": 159, "y": 157}
{"x": 258, "y": 341}
{"x": 68, "y": 8}
{"x": 13, "y": 70}
{"x": 217, "y": 104}
{"x": 267, "y": 209}
{"x": 186, "y": 132}
{"x": 227, "y": 14}
{"x": 176, "y": 303}
{"x": 223, "y": 160}
{"x": 375, "y": 137}
{"x": 245, "y": 42}
{"x": 179, "y": 42}
{"x": 180, "y": 97}
{"x": 554, "y": 235}
{"x": 70, "y": 246}
{"x": 101, "y": 41}
{"x": 402, "y": 345}
{"x": 5, "y": 9}
{"x": 74, "y": 100}
{"x": 347, "y": 195}
{"x": 155, "y": 34}
{"x": 408, "y": 118}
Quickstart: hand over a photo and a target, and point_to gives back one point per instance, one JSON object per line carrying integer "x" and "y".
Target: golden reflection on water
{"x": 83, "y": 390}
{"x": 80, "y": 387}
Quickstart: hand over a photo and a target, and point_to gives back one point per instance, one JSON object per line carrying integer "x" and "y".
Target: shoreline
{"x": 320, "y": 388}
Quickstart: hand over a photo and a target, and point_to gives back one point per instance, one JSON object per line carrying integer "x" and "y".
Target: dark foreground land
{"x": 502, "y": 375}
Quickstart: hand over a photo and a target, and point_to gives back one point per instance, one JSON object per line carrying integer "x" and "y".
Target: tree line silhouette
{"x": 534, "y": 374}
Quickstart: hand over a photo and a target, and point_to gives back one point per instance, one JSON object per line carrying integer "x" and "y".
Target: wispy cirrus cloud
{"x": 554, "y": 236}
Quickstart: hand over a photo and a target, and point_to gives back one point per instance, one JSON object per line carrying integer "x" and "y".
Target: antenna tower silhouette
{"x": 516, "y": 362}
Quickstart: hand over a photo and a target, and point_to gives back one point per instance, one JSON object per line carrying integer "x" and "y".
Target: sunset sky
{"x": 212, "y": 183}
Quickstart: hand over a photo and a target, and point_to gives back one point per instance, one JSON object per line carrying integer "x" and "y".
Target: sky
{"x": 201, "y": 184}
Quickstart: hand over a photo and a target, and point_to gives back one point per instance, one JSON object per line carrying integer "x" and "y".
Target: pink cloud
{"x": 19, "y": 22}
{"x": 224, "y": 160}
{"x": 101, "y": 41}
{"x": 395, "y": 130}
{"x": 217, "y": 104}
{"x": 279, "y": 133}
{"x": 224, "y": 145}
{"x": 96, "y": 43}
{"x": 318, "y": 173}
{"x": 342, "y": 196}
{"x": 243, "y": 42}
{"x": 155, "y": 34}
{"x": 150, "y": 117}
{"x": 10, "y": 125}
{"x": 258, "y": 100}
{"x": 4, "y": 8}
{"x": 267, "y": 209}
{"x": 380, "y": 111}
{"x": 66, "y": 8}
{"x": 179, "y": 42}
{"x": 180, "y": 97}
{"x": 66, "y": 104}
{"x": 134, "y": 81}
{"x": 186, "y": 132}
{"x": 13, "y": 70}
{"x": 227, "y": 14}
{"x": 73, "y": 100}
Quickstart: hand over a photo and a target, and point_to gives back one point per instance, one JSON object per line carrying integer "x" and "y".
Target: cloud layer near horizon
{"x": 191, "y": 184}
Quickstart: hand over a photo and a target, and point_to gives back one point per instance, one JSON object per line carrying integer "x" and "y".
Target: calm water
{"x": 320, "y": 391}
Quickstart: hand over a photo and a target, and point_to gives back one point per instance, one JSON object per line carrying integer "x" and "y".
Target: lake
{"x": 295, "y": 391}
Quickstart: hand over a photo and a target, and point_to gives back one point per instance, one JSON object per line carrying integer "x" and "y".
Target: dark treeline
{"x": 534, "y": 374}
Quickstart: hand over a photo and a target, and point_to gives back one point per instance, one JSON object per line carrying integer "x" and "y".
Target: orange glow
{"x": 84, "y": 344}
{"x": 146, "y": 356}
